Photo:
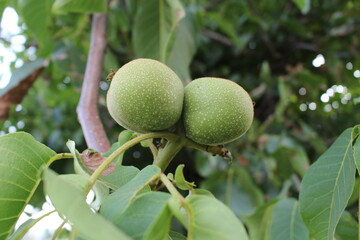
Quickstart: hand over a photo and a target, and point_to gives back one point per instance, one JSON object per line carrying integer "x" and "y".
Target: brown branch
{"x": 217, "y": 37}
{"x": 87, "y": 109}
{"x": 16, "y": 94}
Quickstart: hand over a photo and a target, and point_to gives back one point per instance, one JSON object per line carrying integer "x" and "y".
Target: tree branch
{"x": 217, "y": 37}
{"x": 87, "y": 109}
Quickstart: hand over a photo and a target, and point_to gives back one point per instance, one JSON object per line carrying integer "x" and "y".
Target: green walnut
{"x": 216, "y": 111}
{"x": 145, "y": 95}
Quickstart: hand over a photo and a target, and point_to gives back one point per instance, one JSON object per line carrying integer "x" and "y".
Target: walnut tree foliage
{"x": 293, "y": 174}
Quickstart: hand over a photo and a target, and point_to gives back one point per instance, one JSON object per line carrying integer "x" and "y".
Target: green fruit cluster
{"x": 145, "y": 95}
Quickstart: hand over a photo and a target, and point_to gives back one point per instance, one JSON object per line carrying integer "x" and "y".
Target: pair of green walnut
{"x": 147, "y": 96}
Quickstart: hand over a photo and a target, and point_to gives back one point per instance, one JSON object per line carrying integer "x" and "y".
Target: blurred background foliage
{"x": 299, "y": 60}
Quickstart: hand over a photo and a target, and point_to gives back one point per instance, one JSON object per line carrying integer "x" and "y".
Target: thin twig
{"x": 217, "y": 37}
{"x": 87, "y": 110}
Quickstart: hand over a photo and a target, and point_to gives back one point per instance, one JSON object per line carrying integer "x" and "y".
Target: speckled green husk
{"x": 216, "y": 111}
{"x": 145, "y": 95}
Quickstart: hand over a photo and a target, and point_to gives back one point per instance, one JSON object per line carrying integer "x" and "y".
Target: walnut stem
{"x": 87, "y": 109}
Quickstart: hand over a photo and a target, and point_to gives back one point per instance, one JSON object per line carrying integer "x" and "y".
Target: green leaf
{"x": 146, "y": 143}
{"x": 290, "y": 160}
{"x": 117, "y": 202}
{"x": 154, "y": 40}
{"x": 199, "y": 191}
{"x": 355, "y": 132}
{"x": 37, "y": 17}
{"x": 23, "y": 229}
{"x": 22, "y": 159}
{"x": 69, "y": 201}
{"x": 101, "y": 193}
{"x": 180, "y": 179}
{"x": 233, "y": 186}
{"x": 303, "y": 5}
{"x": 21, "y": 73}
{"x": 347, "y": 229}
{"x": 79, "y": 181}
{"x": 183, "y": 49}
{"x": 259, "y": 223}
{"x": 355, "y": 193}
{"x": 210, "y": 219}
{"x": 147, "y": 217}
{"x": 176, "y": 236}
{"x": 81, "y": 6}
{"x": 120, "y": 176}
{"x": 124, "y": 136}
{"x": 326, "y": 188}
{"x": 286, "y": 222}
{"x": 177, "y": 211}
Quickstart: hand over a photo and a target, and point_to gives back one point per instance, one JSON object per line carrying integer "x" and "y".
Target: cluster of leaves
{"x": 130, "y": 206}
{"x": 267, "y": 47}
{"x": 132, "y": 211}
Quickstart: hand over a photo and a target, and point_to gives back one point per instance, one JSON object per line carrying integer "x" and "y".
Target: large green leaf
{"x": 82, "y": 6}
{"x": 210, "y": 219}
{"x": 148, "y": 217}
{"x": 286, "y": 222}
{"x": 21, "y": 160}
{"x": 37, "y": 17}
{"x": 118, "y": 201}
{"x": 155, "y": 24}
{"x": 184, "y": 48}
{"x": 327, "y": 187}
{"x": 69, "y": 201}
